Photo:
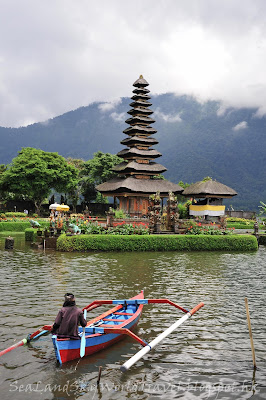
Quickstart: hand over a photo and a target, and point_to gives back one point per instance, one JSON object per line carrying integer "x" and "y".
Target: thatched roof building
{"x": 211, "y": 194}
{"x": 209, "y": 188}
{"x": 138, "y": 175}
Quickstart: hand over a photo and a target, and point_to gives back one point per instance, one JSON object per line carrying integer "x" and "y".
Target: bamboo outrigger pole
{"x": 250, "y": 334}
{"x": 158, "y": 339}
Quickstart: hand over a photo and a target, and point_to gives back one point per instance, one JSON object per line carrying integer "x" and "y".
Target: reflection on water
{"x": 208, "y": 357}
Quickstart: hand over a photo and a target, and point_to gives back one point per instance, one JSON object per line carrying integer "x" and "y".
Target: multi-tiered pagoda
{"x": 138, "y": 175}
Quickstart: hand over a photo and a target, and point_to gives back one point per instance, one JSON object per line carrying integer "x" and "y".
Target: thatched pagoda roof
{"x": 140, "y": 103}
{"x": 136, "y": 173}
{"x": 138, "y": 111}
{"x": 139, "y": 153}
{"x": 131, "y": 130}
{"x": 140, "y": 96}
{"x": 137, "y": 119}
{"x": 142, "y": 186}
{"x": 209, "y": 188}
{"x": 139, "y": 140}
{"x": 152, "y": 167}
{"x": 141, "y": 82}
{"x": 141, "y": 90}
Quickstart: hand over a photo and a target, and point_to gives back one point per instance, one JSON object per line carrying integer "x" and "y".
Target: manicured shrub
{"x": 30, "y": 234}
{"x": 156, "y": 243}
{"x": 19, "y": 226}
{"x": 240, "y": 225}
{"x": 15, "y": 214}
{"x": 240, "y": 220}
{"x": 13, "y": 226}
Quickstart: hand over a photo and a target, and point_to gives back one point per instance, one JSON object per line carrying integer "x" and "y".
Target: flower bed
{"x": 207, "y": 229}
{"x": 134, "y": 222}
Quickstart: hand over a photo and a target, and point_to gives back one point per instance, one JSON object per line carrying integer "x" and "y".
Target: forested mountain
{"x": 196, "y": 140}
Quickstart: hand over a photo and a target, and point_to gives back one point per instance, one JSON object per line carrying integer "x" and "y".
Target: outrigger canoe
{"x": 96, "y": 332}
{"x": 108, "y": 328}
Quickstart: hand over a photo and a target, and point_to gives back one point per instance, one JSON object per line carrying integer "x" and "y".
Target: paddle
{"x": 34, "y": 335}
{"x": 83, "y": 339}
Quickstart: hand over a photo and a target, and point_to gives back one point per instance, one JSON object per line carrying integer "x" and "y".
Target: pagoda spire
{"x": 138, "y": 175}
{"x": 139, "y": 154}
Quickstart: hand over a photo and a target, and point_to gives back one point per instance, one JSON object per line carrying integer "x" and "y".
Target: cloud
{"x": 108, "y": 106}
{"x": 119, "y": 117}
{"x": 59, "y": 55}
{"x": 167, "y": 117}
{"x": 240, "y": 126}
{"x": 46, "y": 123}
{"x": 222, "y": 110}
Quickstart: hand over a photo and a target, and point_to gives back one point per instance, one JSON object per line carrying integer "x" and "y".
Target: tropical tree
{"x": 2, "y": 171}
{"x": 33, "y": 173}
{"x": 180, "y": 198}
{"x": 99, "y": 168}
{"x": 262, "y": 207}
{"x": 96, "y": 171}
{"x": 76, "y": 186}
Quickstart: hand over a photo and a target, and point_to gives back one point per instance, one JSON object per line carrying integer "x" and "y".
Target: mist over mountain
{"x": 196, "y": 140}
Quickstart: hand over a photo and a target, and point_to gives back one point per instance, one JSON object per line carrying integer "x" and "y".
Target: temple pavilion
{"x": 207, "y": 198}
{"x": 138, "y": 176}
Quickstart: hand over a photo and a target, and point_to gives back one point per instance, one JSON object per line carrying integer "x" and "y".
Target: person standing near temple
{"x": 68, "y": 319}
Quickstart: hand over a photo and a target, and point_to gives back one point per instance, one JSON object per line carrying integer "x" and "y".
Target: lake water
{"x": 208, "y": 357}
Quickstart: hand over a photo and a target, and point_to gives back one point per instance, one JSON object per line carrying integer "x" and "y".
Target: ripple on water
{"x": 207, "y": 356}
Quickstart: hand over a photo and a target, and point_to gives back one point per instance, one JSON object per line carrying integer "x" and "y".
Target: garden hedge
{"x": 14, "y": 226}
{"x": 19, "y": 226}
{"x": 30, "y": 234}
{"x": 157, "y": 243}
{"x": 237, "y": 225}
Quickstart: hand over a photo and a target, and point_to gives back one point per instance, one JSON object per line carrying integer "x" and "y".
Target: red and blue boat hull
{"x": 122, "y": 316}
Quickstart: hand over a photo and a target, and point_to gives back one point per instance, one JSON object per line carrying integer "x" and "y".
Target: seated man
{"x": 68, "y": 319}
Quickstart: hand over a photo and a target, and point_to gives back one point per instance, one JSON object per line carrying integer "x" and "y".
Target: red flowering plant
{"x": 199, "y": 229}
{"x": 194, "y": 229}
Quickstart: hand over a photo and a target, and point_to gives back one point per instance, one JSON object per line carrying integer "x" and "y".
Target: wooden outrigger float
{"x": 108, "y": 328}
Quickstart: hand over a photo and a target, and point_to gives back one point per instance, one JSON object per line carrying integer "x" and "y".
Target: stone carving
{"x": 34, "y": 224}
{"x": 172, "y": 212}
{"x": 74, "y": 229}
{"x": 154, "y": 213}
{"x": 110, "y": 214}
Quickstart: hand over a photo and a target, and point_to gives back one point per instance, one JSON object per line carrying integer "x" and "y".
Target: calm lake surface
{"x": 208, "y": 357}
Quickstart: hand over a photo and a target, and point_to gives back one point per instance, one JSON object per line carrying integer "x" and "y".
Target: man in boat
{"x": 68, "y": 319}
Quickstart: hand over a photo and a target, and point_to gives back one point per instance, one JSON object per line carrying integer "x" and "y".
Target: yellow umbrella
{"x": 62, "y": 207}
{"x": 59, "y": 207}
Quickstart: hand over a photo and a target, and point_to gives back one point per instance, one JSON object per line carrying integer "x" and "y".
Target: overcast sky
{"x": 58, "y": 55}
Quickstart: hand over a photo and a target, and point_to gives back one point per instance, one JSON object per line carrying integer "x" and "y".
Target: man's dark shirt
{"x": 67, "y": 321}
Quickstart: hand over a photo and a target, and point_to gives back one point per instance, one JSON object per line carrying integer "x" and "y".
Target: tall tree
{"x": 99, "y": 168}
{"x": 96, "y": 171}
{"x": 3, "y": 194}
{"x": 75, "y": 190}
{"x": 33, "y": 173}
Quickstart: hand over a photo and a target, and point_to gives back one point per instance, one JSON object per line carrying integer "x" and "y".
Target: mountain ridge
{"x": 195, "y": 139}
